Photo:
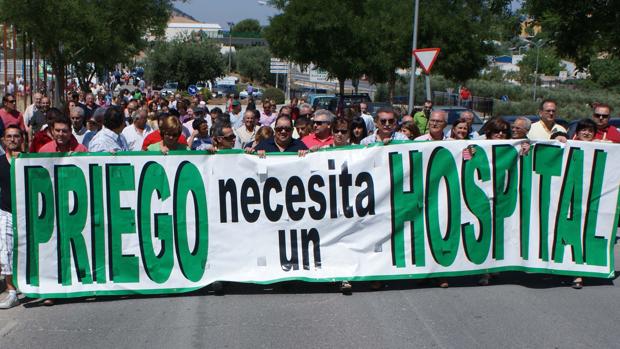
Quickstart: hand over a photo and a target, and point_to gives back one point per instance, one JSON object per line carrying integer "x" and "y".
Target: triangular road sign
{"x": 426, "y": 57}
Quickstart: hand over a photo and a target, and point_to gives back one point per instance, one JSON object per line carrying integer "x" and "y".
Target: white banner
{"x": 91, "y": 224}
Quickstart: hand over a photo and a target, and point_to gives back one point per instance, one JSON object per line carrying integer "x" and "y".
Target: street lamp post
{"x": 230, "y": 25}
{"x": 536, "y": 68}
{"x": 415, "y": 46}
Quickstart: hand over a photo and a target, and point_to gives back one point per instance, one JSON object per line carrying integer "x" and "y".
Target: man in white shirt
{"x": 247, "y": 132}
{"x": 31, "y": 109}
{"x": 137, "y": 131}
{"x": 386, "y": 128}
{"x": 543, "y": 129}
{"x": 109, "y": 138}
{"x": 437, "y": 122}
{"x": 78, "y": 127}
{"x": 368, "y": 119}
{"x": 236, "y": 118}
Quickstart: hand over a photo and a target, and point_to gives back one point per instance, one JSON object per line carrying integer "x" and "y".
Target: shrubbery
{"x": 275, "y": 94}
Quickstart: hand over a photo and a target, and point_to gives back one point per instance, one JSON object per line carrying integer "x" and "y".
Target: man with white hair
{"x": 31, "y": 109}
{"x": 76, "y": 114}
{"x": 520, "y": 127}
{"x": 437, "y": 122}
{"x": 322, "y": 135}
{"x": 137, "y": 131}
{"x": 368, "y": 119}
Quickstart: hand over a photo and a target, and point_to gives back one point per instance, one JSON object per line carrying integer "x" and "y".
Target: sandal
{"x": 577, "y": 284}
{"x": 345, "y": 287}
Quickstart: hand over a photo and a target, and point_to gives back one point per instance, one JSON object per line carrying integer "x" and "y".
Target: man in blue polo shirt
{"x": 282, "y": 141}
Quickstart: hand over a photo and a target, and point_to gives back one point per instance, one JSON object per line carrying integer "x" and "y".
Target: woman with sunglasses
{"x": 9, "y": 113}
{"x": 497, "y": 128}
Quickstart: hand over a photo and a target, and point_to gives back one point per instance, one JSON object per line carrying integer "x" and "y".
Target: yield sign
{"x": 426, "y": 57}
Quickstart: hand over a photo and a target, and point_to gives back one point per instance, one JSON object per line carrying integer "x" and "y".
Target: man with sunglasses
{"x": 543, "y": 129}
{"x": 386, "y": 128}
{"x": 604, "y": 131}
{"x": 282, "y": 140}
{"x": 322, "y": 130}
{"x": 9, "y": 113}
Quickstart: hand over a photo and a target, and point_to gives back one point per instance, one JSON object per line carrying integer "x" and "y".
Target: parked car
{"x": 201, "y": 85}
{"x": 225, "y": 88}
{"x": 170, "y": 87}
{"x": 319, "y": 100}
{"x": 349, "y": 100}
{"x": 375, "y": 106}
{"x": 257, "y": 94}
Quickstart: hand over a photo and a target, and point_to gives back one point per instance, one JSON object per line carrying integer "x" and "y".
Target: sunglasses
{"x": 601, "y": 116}
{"x": 387, "y": 121}
{"x": 504, "y": 131}
{"x": 10, "y": 101}
{"x": 230, "y": 137}
{"x": 341, "y": 131}
{"x": 321, "y": 122}
{"x": 283, "y": 129}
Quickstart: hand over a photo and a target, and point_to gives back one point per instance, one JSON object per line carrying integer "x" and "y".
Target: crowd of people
{"x": 147, "y": 121}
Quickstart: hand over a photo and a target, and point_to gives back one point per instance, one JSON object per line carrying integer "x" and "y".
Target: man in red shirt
{"x": 63, "y": 140}
{"x": 9, "y": 113}
{"x": 605, "y": 131}
{"x": 322, "y": 135}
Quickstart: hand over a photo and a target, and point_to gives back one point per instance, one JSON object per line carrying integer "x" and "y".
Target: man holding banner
{"x": 12, "y": 140}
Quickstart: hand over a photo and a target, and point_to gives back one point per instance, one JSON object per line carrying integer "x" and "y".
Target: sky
{"x": 223, "y": 11}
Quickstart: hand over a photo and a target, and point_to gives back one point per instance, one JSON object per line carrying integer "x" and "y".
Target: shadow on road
{"x": 532, "y": 281}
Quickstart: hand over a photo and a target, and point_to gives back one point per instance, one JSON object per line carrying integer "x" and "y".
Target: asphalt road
{"x": 516, "y": 311}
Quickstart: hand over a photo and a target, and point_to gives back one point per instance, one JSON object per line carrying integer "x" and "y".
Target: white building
{"x": 176, "y": 29}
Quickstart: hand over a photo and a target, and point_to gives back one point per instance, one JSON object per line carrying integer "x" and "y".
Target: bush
{"x": 275, "y": 94}
{"x": 206, "y": 94}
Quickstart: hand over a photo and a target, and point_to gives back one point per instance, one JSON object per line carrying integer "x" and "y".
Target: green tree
{"x": 324, "y": 32}
{"x": 579, "y": 29}
{"x": 89, "y": 35}
{"x": 184, "y": 61}
{"x": 248, "y": 25}
{"x": 606, "y": 72}
{"x": 548, "y": 63}
{"x": 253, "y": 63}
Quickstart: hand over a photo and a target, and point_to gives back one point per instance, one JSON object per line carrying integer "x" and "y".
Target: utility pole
{"x": 230, "y": 25}
{"x": 415, "y": 46}
{"x": 536, "y": 68}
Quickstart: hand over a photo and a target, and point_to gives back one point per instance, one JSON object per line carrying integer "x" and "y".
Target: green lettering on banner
{"x": 505, "y": 176}
{"x": 595, "y": 252}
{"x": 525, "y": 203}
{"x": 442, "y": 166}
{"x": 39, "y": 226}
{"x": 568, "y": 219}
{"x": 121, "y": 220}
{"x": 547, "y": 163}
{"x": 477, "y": 249}
{"x": 70, "y": 182}
{"x": 407, "y": 207}
{"x": 188, "y": 180}
{"x": 157, "y": 266}
{"x": 97, "y": 226}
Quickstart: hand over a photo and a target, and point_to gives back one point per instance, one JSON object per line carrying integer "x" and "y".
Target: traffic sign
{"x": 278, "y": 67}
{"x": 318, "y": 75}
{"x": 426, "y": 57}
{"x": 192, "y": 90}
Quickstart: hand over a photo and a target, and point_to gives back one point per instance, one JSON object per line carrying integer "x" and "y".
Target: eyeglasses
{"x": 230, "y": 137}
{"x": 283, "y": 129}
{"x": 321, "y": 122}
{"x": 549, "y": 111}
{"x": 341, "y": 131}
{"x": 601, "y": 116}
{"x": 387, "y": 121}
{"x": 435, "y": 121}
{"x": 10, "y": 101}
